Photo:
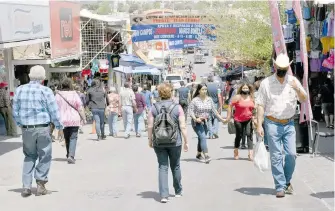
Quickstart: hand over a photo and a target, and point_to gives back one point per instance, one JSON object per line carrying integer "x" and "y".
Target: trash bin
{"x": 302, "y": 139}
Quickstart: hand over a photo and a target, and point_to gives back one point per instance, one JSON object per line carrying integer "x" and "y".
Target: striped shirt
{"x": 279, "y": 100}
{"x": 34, "y": 104}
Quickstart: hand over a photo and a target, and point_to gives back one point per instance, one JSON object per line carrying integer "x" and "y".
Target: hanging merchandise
{"x": 95, "y": 66}
{"x": 306, "y": 11}
{"x": 288, "y": 33}
{"x": 329, "y": 62}
{"x": 103, "y": 66}
{"x": 115, "y": 60}
{"x": 291, "y": 16}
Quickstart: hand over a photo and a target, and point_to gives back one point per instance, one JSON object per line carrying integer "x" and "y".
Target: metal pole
{"x": 163, "y": 43}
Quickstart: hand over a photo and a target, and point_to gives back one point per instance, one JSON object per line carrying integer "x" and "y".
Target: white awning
{"x": 23, "y": 43}
{"x": 110, "y": 20}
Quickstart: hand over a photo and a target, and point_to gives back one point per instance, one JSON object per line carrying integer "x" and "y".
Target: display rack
{"x": 93, "y": 37}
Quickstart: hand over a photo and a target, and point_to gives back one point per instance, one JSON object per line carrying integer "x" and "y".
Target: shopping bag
{"x": 231, "y": 128}
{"x": 261, "y": 158}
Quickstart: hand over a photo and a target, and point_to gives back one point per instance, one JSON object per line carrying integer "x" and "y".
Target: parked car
{"x": 175, "y": 80}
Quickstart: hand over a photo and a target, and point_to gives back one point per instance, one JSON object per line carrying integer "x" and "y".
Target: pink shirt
{"x": 243, "y": 110}
{"x": 69, "y": 117}
{"x": 114, "y": 103}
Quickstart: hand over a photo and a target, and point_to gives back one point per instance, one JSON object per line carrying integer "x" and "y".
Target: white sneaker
{"x": 164, "y": 200}
{"x": 178, "y": 195}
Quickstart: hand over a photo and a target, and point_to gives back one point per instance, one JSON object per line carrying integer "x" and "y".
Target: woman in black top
{"x": 96, "y": 100}
{"x": 327, "y": 102}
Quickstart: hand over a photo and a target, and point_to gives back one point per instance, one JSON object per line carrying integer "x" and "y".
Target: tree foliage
{"x": 243, "y": 31}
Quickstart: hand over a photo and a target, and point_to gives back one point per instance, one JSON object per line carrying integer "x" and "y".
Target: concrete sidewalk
{"x": 122, "y": 174}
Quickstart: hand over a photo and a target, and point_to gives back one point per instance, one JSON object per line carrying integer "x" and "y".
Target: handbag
{"x": 81, "y": 118}
{"x": 231, "y": 128}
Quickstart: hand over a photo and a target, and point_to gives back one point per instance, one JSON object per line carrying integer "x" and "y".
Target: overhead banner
{"x": 277, "y": 33}
{"x": 180, "y": 44}
{"x": 65, "y": 28}
{"x": 172, "y": 27}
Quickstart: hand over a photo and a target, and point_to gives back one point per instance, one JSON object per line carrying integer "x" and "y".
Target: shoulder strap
{"x": 171, "y": 107}
{"x": 70, "y": 105}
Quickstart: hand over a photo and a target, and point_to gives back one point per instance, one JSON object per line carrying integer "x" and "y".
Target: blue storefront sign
{"x": 173, "y": 32}
{"x": 180, "y": 44}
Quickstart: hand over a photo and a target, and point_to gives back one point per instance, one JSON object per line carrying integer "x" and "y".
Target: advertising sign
{"x": 65, "y": 28}
{"x": 20, "y": 22}
{"x": 180, "y": 44}
{"x": 172, "y": 27}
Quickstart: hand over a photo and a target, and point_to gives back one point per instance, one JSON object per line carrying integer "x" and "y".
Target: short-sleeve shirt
{"x": 127, "y": 97}
{"x": 175, "y": 113}
{"x": 183, "y": 93}
{"x": 279, "y": 100}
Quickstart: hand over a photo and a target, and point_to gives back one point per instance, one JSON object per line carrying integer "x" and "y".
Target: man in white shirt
{"x": 277, "y": 101}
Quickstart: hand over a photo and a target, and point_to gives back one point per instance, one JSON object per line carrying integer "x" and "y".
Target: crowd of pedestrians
{"x": 165, "y": 119}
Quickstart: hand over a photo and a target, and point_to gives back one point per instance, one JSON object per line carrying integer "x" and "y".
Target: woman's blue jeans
{"x": 201, "y": 130}
{"x": 139, "y": 123}
{"x": 112, "y": 122}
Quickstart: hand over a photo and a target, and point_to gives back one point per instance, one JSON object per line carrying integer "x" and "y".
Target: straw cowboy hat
{"x": 282, "y": 61}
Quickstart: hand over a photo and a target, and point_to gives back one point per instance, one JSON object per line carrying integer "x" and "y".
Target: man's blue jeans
{"x": 201, "y": 131}
{"x": 164, "y": 155}
{"x": 214, "y": 123}
{"x": 37, "y": 145}
{"x": 99, "y": 117}
{"x": 127, "y": 115}
{"x": 281, "y": 138}
{"x": 112, "y": 122}
{"x": 139, "y": 123}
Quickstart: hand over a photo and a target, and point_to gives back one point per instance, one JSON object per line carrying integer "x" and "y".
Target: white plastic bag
{"x": 261, "y": 158}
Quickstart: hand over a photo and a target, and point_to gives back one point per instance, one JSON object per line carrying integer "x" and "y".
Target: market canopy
{"x": 146, "y": 71}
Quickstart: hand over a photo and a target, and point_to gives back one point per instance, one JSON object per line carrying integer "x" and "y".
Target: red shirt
{"x": 243, "y": 110}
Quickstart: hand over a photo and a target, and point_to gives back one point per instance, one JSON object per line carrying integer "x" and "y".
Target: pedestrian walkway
{"x": 122, "y": 174}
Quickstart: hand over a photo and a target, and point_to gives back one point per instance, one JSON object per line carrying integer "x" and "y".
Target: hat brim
{"x": 281, "y": 65}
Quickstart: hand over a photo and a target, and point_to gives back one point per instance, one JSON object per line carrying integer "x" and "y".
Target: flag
{"x": 277, "y": 32}
{"x": 305, "y": 109}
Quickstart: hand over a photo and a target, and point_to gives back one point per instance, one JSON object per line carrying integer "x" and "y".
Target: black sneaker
{"x": 103, "y": 137}
{"x": 243, "y": 147}
{"x": 289, "y": 189}
{"x": 200, "y": 158}
{"x": 207, "y": 159}
{"x": 71, "y": 160}
{"x": 26, "y": 192}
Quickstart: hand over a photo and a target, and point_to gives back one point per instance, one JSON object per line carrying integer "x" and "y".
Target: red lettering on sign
{"x": 166, "y": 31}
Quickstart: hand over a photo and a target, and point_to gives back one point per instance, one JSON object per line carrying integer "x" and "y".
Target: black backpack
{"x": 165, "y": 130}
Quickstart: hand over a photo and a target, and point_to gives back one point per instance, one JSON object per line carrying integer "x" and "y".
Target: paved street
{"x": 122, "y": 174}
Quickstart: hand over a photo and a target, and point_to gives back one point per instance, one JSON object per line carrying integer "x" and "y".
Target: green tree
{"x": 243, "y": 31}
{"x": 104, "y": 8}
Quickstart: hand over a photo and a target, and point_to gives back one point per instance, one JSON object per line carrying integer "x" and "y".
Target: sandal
{"x": 236, "y": 154}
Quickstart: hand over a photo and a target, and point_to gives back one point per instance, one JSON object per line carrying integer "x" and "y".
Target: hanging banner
{"x": 277, "y": 33}
{"x": 305, "y": 110}
{"x": 172, "y": 27}
{"x": 65, "y": 28}
{"x": 180, "y": 44}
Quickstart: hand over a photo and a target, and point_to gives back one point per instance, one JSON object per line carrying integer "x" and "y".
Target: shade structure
{"x": 147, "y": 71}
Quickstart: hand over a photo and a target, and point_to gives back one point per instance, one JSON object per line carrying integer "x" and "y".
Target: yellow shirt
{"x": 327, "y": 43}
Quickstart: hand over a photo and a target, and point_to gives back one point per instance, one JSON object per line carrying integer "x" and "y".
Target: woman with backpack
{"x": 166, "y": 128}
{"x": 199, "y": 109}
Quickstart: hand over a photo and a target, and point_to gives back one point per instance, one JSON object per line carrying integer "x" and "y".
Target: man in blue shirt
{"x": 214, "y": 92}
{"x": 184, "y": 97}
{"x": 147, "y": 96}
{"x": 34, "y": 108}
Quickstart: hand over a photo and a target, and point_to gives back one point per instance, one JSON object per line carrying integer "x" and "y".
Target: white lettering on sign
{"x": 66, "y": 28}
{"x": 184, "y": 30}
{"x": 146, "y": 32}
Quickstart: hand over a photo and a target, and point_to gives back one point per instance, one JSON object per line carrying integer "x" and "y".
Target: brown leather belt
{"x": 281, "y": 121}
